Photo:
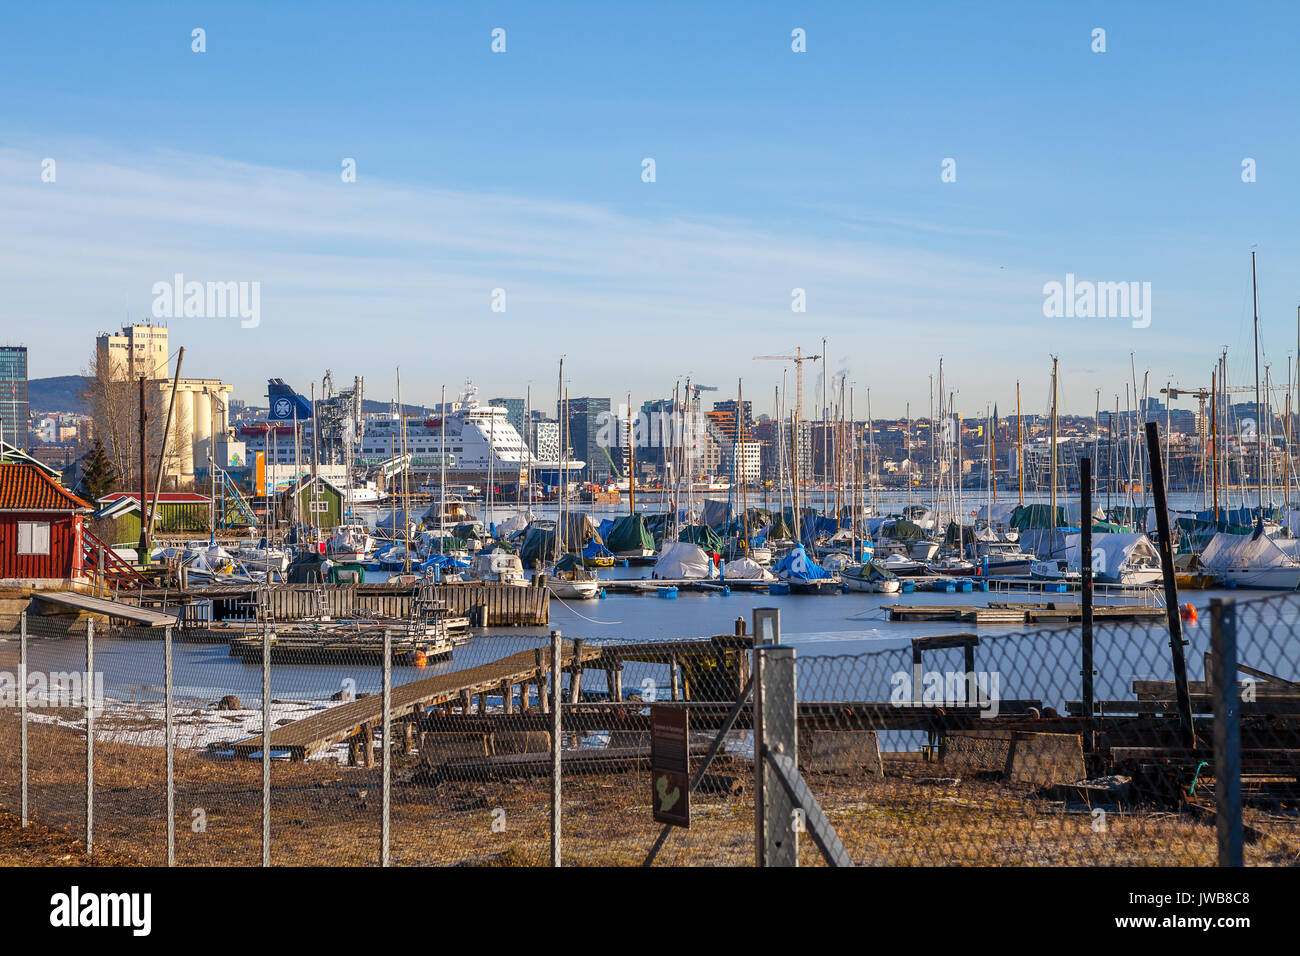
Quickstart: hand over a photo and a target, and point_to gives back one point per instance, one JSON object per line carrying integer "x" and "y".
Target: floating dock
{"x": 1004, "y": 613}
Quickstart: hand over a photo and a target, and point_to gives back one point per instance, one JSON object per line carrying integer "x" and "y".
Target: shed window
{"x": 33, "y": 537}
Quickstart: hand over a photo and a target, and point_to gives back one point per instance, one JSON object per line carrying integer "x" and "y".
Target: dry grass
{"x": 324, "y": 814}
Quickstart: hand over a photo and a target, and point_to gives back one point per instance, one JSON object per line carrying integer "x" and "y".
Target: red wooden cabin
{"x": 41, "y": 538}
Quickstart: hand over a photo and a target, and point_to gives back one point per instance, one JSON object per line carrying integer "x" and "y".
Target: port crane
{"x": 798, "y": 359}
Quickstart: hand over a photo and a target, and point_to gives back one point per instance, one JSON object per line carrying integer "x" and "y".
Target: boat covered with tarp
{"x": 1126, "y": 559}
{"x": 1253, "y": 560}
{"x": 630, "y": 538}
{"x": 681, "y": 560}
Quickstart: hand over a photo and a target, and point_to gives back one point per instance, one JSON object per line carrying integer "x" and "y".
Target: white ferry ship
{"x": 479, "y": 439}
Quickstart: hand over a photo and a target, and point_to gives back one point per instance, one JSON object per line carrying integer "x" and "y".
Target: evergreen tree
{"x": 99, "y": 475}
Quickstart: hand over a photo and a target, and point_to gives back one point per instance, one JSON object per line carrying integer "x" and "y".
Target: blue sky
{"x": 775, "y": 170}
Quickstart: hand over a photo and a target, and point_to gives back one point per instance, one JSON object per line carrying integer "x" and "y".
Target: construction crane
{"x": 798, "y": 359}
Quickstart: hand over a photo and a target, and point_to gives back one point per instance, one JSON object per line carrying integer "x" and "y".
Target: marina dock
{"x": 483, "y": 604}
{"x": 1003, "y": 613}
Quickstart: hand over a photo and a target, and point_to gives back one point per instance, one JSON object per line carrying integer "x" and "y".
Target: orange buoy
{"x": 419, "y": 658}
{"x": 1188, "y": 613}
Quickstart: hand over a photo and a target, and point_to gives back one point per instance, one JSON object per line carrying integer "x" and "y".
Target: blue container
{"x": 669, "y": 593}
{"x": 778, "y": 587}
{"x": 967, "y": 587}
{"x": 908, "y": 587}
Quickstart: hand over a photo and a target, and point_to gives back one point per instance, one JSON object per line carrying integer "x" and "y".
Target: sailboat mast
{"x": 631, "y": 460}
{"x": 1214, "y": 436}
{"x": 1020, "y": 446}
{"x": 1054, "y": 394}
{"x": 529, "y": 445}
{"x": 1259, "y": 408}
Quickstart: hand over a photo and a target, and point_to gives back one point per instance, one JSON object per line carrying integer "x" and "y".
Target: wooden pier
{"x": 1005, "y": 613}
{"x": 106, "y": 607}
{"x": 303, "y": 738}
{"x": 484, "y": 604}
{"x": 709, "y": 668}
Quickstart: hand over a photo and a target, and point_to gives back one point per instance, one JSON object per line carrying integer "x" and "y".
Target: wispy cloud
{"x": 364, "y": 276}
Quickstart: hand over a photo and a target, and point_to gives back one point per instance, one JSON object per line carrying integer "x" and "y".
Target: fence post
{"x": 168, "y": 693}
{"x": 557, "y": 645}
{"x": 1174, "y": 619}
{"x": 1085, "y": 570}
{"x": 22, "y": 704}
{"x": 384, "y": 832}
{"x": 89, "y": 691}
{"x": 1227, "y": 730}
{"x": 266, "y": 745}
{"x": 776, "y": 837}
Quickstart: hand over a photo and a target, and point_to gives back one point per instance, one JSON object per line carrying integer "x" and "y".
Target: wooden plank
{"x": 313, "y": 733}
{"x": 108, "y": 608}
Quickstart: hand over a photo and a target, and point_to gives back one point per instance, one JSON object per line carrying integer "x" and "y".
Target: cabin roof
{"x": 26, "y": 487}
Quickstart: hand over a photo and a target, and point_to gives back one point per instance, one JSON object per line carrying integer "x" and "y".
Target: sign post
{"x": 670, "y": 765}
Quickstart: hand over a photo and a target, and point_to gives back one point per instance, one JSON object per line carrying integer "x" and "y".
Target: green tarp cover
{"x": 629, "y": 533}
{"x": 703, "y": 536}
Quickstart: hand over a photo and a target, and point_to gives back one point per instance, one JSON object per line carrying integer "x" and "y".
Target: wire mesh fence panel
{"x": 56, "y": 722}
{"x": 1267, "y": 689}
{"x": 218, "y": 797}
{"x": 12, "y": 682}
{"x": 472, "y": 771}
{"x": 609, "y": 787}
{"x": 130, "y": 792}
{"x": 979, "y": 750}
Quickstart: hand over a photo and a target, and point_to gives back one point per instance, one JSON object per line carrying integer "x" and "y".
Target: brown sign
{"x": 670, "y": 791}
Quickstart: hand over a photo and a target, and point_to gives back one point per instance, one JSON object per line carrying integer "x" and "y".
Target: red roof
{"x": 165, "y": 498}
{"x": 25, "y": 487}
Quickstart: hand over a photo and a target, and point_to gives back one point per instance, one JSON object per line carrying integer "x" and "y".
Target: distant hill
{"x": 59, "y": 393}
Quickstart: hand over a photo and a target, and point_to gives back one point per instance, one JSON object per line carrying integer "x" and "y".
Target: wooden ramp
{"x": 302, "y": 738}
{"x": 108, "y": 607}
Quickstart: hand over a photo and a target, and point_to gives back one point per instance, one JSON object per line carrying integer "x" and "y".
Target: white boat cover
{"x": 680, "y": 560}
{"x": 998, "y": 514}
{"x": 746, "y": 569}
{"x": 1241, "y": 552}
{"x": 1111, "y": 553}
{"x": 515, "y": 523}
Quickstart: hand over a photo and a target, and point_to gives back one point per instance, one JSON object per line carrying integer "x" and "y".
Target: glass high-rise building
{"x": 592, "y": 435}
{"x": 13, "y": 395}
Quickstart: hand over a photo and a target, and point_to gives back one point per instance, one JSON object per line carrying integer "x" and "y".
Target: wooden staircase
{"x": 108, "y": 568}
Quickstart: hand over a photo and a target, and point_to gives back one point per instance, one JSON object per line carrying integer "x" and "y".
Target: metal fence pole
{"x": 557, "y": 678}
{"x": 774, "y": 731}
{"x": 266, "y": 745}
{"x": 1085, "y": 569}
{"x": 168, "y": 693}
{"x": 1227, "y": 730}
{"x": 22, "y": 705}
{"x": 89, "y": 691}
{"x": 387, "y": 787}
{"x": 776, "y": 839}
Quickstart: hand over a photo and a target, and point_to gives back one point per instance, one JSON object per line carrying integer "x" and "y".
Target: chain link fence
{"x": 959, "y": 749}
